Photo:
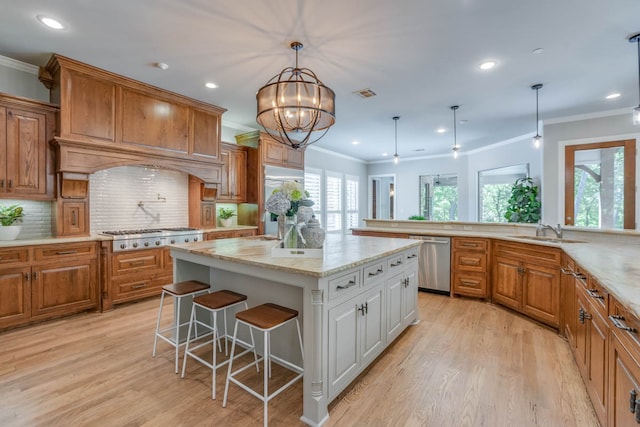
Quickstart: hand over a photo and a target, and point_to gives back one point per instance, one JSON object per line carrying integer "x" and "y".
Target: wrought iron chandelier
{"x": 537, "y": 140}
{"x": 295, "y": 107}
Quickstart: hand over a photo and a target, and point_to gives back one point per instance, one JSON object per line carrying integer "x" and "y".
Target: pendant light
{"x": 537, "y": 140}
{"x": 636, "y": 111}
{"x": 396, "y": 157}
{"x": 294, "y": 106}
{"x": 456, "y": 147}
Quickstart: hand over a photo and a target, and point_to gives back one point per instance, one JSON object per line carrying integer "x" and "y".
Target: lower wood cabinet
{"x": 470, "y": 267}
{"x": 139, "y": 274}
{"x": 228, "y": 234}
{"x": 624, "y": 382}
{"x": 47, "y": 281}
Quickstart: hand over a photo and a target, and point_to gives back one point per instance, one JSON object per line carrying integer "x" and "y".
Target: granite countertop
{"x": 232, "y": 228}
{"x": 52, "y": 240}
{"x": 341, "y": 252}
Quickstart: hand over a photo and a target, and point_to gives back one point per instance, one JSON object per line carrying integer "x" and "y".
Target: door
{"x": 372, "y": 325}
{"x": 26, "y": 151}
{"x": 541, "y": 293}
{"x": 624, "y": 384}
{"x": 598, "y": 332}
{"x": 344, "y": 335}
{"x": 15, "y": 296}
{"x": 395, "y": 291}
{"x": 410, "y": 297}
{"x": 507, "y": 282}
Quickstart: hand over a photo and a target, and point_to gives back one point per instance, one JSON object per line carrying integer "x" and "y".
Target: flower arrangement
{"x": 10, "y": 214}
{"x": 287, "y": 199}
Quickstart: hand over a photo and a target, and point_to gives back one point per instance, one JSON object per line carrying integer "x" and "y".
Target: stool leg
{"x": 255, "y": 354}
{"x": 186, "y": 346}
{"x": 269, "y": 351}
{"x": 300, "y": 340}
{"x": 177, "y": 315}
{"x": 155, "y": 337}
{"x": 233, "y": 347}
{"x": 214, "y": 338}
{"x": 267, "y": 375}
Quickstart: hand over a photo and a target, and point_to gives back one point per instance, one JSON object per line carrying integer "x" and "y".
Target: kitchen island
{"x": 353, "y": 302}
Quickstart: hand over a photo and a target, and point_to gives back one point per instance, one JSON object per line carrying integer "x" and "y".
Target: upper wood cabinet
{"x": 26, "y": 159}
{"x": 233, "y": 187}
{"x": 271, "y": 151}
{"x": 98, "y": 107}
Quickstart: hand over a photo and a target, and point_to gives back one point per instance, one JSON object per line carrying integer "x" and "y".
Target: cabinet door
{"x": 238, "y": 176}
{"x": 73, "y": 221}
{"x": 372, "y": 325}
{"x": 409, "y": 297}
{"x": 624, "y": 382}
{"x": 567, "y": 296}
{"x": 26, "y": 152}
{"x": 395, "y": 291}
{"x": 295, "y": 158}
{"x": 273, "y": 153}
{"x": 224, "y": 191}
{"x": 15, "y": 296}
{"x": 581, "y": 333}
{"x": 541, "y": 293}
{"x": 3, "y": 148}
{"x": 64, "y": 288}
{"x": 598, "y": 332}
{"x": 206, "y": 133}
{"x": 208, "y": 214}
{"x": 507, "y": 282}
{"x": 344, "y": 336}
{"x": 469, "y": 284}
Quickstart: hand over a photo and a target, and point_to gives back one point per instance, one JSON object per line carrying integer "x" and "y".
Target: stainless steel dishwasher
{"x": 434, "y": 272}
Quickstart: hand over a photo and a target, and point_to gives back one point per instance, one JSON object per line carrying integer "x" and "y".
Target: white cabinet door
{"x": 344, "y": 336}
{"x": 395, "y": 295}
{"x": 372, "y": 324}
{"x": 409, "y": 297}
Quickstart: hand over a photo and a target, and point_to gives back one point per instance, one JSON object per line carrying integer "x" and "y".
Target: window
{"x": 334, "y": 201}
{"x": 351, "y": 201}
{"x": 439, "y": 197}
{"x": 600, "y": 185}
{"x": 494, "y": 191}
{"x": 312, "y": 184}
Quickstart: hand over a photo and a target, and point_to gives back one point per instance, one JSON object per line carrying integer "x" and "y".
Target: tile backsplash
{"x": 36, "y": 223}
{"x": 131, "y": 197}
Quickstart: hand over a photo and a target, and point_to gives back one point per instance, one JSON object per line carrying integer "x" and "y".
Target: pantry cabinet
{"x": 42, "y": 282}
{"x": 233, "y": 188}
{"x": 26, "y": 160}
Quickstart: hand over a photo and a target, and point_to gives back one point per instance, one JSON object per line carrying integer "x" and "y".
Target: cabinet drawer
{"x": 139, "y": 261}
{"x": 469, "y": 244}
{"x": 344, "y": 284}
{"x": 470, "y": 283}
{"x": 13, "y": 255}
{"x": 214, "y": 235}
{"x": 374, "y": 271}
{"x": 66, "y": 251}
{"x": 470, "y": 261}
{"x": 535, "y": 254}
{"x": 598, "y": 296}
{"x": 412, "y": 255}
{"x": 126, "y": 289}
{"x": 395, "y": 263}
{"x": 624, "y": 319}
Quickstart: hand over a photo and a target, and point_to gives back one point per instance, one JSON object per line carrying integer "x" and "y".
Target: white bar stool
{"x": 214, "y": 303}
{"x": 265, "y": 318}
{"x": 178, "y": 291}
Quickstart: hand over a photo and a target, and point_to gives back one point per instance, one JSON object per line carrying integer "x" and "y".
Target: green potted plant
{"x": 225, "y": 215}
{"x": 10, "y": 217}
{"x": 524, "y": 204}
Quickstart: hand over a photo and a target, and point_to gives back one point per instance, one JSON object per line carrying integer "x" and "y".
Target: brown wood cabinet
{"x": 470, "y": 267}
{"x": 277, "y": 154}
{"x": 42, "y": 282}
{"x": 526, "y": 278}
{"x": 26, "y": 159}
{"x": 139, "y": 274}
{"x": 233, "y": 188}
{"x": 227, "y": 234}
{"x": 568, "y": 312}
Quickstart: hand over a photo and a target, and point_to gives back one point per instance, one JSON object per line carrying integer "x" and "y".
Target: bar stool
{"x": 178, "y": 291}
{"x": 214, "y": 303}
{"x": 265, "y": 318}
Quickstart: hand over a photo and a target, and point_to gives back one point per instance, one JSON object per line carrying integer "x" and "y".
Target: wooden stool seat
{"x": 183, "y": 288}
{"x": 219, "y": 299}
{"x": 267, "y": 316}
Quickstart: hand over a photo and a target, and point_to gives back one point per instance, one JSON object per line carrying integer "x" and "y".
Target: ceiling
{"x": 419, "y": 57}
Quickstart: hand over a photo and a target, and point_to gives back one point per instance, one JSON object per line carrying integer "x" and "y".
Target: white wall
{"x": 21, "y": 79}
{"x": 579, "y": 131}
{"x": 466, "y": 167}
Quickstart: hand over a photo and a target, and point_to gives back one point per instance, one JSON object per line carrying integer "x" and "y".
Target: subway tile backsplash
{"x": 36, "y": 223}
{"x": 131, "y": 197}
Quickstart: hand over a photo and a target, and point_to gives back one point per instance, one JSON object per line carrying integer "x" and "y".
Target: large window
{"x": 313, "y": 185}
{"x": 494, "y": 191}
{"x": 439, "y": 197}
{"x": 351, "y": 201}
{"x": 336, "y": 199}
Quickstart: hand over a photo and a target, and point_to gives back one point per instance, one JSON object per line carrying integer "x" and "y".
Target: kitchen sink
{"x": 547, "y": 239}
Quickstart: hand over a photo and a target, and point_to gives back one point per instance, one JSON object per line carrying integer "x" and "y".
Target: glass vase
{"x": 290, "y": 232}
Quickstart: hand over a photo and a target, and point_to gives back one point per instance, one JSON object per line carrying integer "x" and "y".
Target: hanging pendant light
{"x": 537, "y": 140}
{"x": 295, "y": 107}
{"x": 396, "y": 157}
{"x": 636, "y": 111}
{"x": 456, "y": 147}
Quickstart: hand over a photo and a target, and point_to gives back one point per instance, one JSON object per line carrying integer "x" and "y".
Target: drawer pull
{"x": 579, "y": 276}
{"x": 567, "y": 271}
{"x": 618, "y": 322}
{"x": 593, "y": 293}
{"x": 378, "y": 271}
{"x": 396, "y": 264}
{"x": 583, "y": 315}
{"x": 349, "y": 284}
{"x": 468, "y": 283}
{"x": 138, "y": 286}
{"x": 66, "y": 252}
{"x": 469, "y": 245}
{"x": 135, "y": 263}
{"x": 412, "y": 256}
{"x": 469, "y": 262}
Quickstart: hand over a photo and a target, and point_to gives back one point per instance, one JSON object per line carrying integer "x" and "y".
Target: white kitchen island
{"x": 353, "y": 302}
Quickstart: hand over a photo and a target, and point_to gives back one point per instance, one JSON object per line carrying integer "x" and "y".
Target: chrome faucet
{"x": 541, "y": 227}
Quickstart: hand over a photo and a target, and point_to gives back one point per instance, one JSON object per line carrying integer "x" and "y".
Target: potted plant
{"x": 9, "y": 217}
{"x": 524, "y": 204}
{"x": 225, "y": 215}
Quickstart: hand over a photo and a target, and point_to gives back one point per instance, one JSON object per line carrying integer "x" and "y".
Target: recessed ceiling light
{"x": 211, "y": 85}
{"x": 441, "y": 130}
{"x": 537, "y": 51}
{"x": 50, "y": 22}
{"x": 356, "y": 142}
{"x": 613, "y": 95}
{"x": 385, "y": 154}
{"x": 161, "y": 65}
{"x": 487, "y": 65}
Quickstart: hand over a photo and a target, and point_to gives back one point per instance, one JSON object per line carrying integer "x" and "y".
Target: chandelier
{"x": 295, "y": 107}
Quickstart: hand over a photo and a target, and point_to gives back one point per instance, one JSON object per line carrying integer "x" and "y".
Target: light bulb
{"x": 396, "y": 159}
{"x": 636, "y": 115}
{"x": 537, "y": 140}
{"x": 455, "y": 151}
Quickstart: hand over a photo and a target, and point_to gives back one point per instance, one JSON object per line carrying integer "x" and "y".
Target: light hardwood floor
{"x": 467, "y": 363}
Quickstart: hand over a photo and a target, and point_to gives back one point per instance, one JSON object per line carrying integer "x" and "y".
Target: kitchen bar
{"x": 378, "y": 272}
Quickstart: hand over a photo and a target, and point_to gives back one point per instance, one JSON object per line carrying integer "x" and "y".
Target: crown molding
{"x": 18, "y": 65}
